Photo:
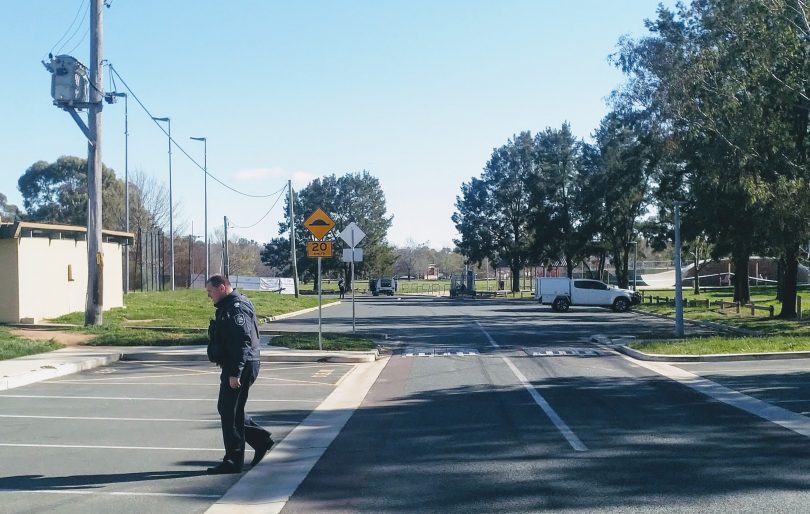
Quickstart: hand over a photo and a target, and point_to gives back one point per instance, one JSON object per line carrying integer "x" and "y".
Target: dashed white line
{"x": 555, "y": 418}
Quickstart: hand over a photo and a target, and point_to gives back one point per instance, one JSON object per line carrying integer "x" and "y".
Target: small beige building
{"x": 43, "y": 269}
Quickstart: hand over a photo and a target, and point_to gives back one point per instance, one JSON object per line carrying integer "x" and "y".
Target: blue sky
{"x": 417, "y": 92}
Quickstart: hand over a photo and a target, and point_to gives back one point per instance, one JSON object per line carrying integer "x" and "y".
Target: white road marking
{"x": 190, "y": 384}
{"x": 777, "y": 415}
{"x": 555, "y": 418}
{"x": 119, "y": 378}
{"x": 99, "y": 447}
{"x": 88, "y": 418}
{"x": 268, "y": 486}
{"x": 140, "y": 399}
{"x": 107, "y": 493}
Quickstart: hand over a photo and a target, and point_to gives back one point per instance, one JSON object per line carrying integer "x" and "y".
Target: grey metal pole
{"x": 353, "y": 311}
{"x": 635, "y": 270}
{"x": 126, "y": 188}
{"x": 205, "y": 170}
{"x": 226, "y": 266}
{"x": 94, "y": 303}
{"x": 678, "y": 278}
{"x": 292, "y": 238}
{"x": 171, "y": 204}
{"x": 320, "y": 344}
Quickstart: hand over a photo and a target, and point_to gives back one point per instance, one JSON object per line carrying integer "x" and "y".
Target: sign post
{"x": 319, "y": 224}
{"x": 352, "y": 235}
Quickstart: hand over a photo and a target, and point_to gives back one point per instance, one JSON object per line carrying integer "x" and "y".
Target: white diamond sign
{"x": 352, "y": 234}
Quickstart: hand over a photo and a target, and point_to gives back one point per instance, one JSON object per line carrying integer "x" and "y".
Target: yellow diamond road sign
{"x": 319, "y": 223}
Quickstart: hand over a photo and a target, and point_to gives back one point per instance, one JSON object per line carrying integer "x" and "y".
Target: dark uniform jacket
{"x": 233, "y": 334}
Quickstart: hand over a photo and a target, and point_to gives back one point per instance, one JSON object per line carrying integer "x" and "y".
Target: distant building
{"x": 43, "y": 269}
{"x": 432, "y": 273}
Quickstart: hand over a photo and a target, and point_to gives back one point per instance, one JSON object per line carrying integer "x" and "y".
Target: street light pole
{"x": 205, "y": 174}
{"x": 635, "y": 260}
{"x": 171, "y": 204}
{"x": 678, "y": 278}
{"x": 110, "y": 97}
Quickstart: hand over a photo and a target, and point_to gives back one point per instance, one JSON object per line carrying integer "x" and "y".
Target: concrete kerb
{"x": 44, "y": 366}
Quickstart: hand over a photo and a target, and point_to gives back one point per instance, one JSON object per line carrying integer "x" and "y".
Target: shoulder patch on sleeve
{"x": 239, "y": 319}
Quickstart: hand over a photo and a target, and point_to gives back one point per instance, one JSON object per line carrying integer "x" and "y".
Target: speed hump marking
{"x": 319, "y": 223}
{"x": 319, "y": 248}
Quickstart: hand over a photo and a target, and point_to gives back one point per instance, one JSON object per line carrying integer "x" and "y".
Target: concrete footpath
{"x": 44, "y": 366}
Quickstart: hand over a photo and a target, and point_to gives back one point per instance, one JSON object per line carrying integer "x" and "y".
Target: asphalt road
{"x": 483, "y": 406}
{"x": 137, "y": 436}
{"x": 502, "y": 406}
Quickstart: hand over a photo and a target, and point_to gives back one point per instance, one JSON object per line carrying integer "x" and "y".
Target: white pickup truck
{"x": 562, "y": 293}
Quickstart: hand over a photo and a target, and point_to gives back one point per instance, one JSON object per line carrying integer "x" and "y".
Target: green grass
{"x": 189, "y": 308}
{"x": 330, "y": 342}
{"x": 776, "y": 335}
{"x": 175, "y": 310}
{"x": 721, "y": 345}
{"x": 12, "y": 347}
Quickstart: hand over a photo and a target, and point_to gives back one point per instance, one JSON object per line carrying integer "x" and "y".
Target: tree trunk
{"x": 791, "y": 276}
{"x": 742, "y": 293}
{"x": 623, "y": 280}
{"x": 697, "y": 275}
{"x": 515, "y": 269}
{"x": 780, "y": 279}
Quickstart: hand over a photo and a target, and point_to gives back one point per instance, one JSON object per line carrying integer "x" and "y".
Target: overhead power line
{"x": 76, "y": 31}
{"x": 279, "y": 192}
{"x": 70, "y": 27}
{"x": 179, "y": 147}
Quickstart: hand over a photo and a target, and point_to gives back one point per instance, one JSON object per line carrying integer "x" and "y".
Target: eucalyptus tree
{"x": 557, "y": 210}
{"x": 56, "y": 192}
{"x": 710, "y": 72}
{"x": 356, "y": 197}
{"x": 493, "y": 211}
{"x": 617, "y": 188}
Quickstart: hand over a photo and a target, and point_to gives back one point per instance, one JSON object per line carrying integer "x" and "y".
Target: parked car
{"x": 562, "y": 293}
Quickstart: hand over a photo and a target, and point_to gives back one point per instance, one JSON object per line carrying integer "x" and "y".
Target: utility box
{"x": 69, "y": 82}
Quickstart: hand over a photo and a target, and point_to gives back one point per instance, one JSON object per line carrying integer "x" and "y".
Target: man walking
{"x": 234, "y": 346}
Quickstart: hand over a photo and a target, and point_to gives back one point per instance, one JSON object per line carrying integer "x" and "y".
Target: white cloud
{"x": 300, "y": 179}
{"x": 258, "y": 174}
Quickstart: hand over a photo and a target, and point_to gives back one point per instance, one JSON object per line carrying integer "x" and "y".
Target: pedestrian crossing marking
{"x": 565, "y": 352}
{"x": 438, "y": 352}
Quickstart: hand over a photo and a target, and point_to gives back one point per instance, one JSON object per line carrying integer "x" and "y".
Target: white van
{"x": 562, "y": 293}
{"x": 385, "y": 285}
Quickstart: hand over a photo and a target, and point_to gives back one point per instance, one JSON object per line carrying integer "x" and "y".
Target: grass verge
{"x": 723, "y": 345}
{"x": 332, "y": 342}
{"x": 12, "y": 347}
{"x": 777, "y": 335}
{"x": 177, "y": 311}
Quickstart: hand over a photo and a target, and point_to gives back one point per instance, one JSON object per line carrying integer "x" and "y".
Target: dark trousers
{"x": 237, "y": 427}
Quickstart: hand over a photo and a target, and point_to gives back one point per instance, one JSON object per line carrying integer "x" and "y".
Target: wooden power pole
{"x": 95, "y": 254}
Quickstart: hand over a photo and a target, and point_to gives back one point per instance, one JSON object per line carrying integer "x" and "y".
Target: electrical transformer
{"x": 69, "y": 83}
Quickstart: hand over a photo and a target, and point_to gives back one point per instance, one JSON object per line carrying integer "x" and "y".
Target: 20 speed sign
{"x": 319, "y": 248}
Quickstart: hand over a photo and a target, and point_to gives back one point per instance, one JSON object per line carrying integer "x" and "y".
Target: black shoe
{"x": 260, "y": 451}
{"x": 223, "y": 468}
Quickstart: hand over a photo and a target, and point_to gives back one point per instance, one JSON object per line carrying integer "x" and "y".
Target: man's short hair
{"x": 218, "y": 280}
